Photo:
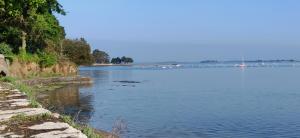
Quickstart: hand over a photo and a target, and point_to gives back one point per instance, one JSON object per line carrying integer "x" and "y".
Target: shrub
{"x": 5, "y": 49}
{"x": 23, "y": 56}
{"x": 8, "y": 79}
{"x": 46, "y": 59}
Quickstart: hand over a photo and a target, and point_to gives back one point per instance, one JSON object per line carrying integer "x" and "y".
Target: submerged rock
{"x": 125, "y": 81}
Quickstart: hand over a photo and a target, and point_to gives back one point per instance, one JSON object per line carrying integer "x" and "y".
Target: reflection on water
{"x": 69, "y": 100}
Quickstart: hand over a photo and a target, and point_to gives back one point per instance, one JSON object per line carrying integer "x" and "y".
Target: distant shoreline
{"x": 96, "y": 64}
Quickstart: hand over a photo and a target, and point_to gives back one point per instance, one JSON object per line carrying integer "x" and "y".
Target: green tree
{"x": 126, "y": 60}
{"x": 100, "y": 56}
{"x": 116, "y": 60}
{"x": 32, "y": 20}
{"x": 78, "y": 51}
{"x": 123, "y": 59}
{"x": 5, "y": 49}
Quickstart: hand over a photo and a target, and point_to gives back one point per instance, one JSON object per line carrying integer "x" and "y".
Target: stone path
{"x": 13, "y": 103}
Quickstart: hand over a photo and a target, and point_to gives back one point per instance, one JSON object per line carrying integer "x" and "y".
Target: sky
{"x": 187, "y": 30}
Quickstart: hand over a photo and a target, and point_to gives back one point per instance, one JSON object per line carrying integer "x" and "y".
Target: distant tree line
{"x": 100, "y": 57}
{"x": 79, "y": 51}
{"x": 122, "y": 60}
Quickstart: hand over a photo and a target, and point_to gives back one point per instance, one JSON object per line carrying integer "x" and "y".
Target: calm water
{"x": 192, "y": 100}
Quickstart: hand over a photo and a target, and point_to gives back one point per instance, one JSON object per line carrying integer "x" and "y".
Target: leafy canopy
{"x": 32, "y": 20}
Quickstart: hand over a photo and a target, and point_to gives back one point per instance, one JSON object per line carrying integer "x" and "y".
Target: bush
{"x": 8, "y": 79}
{"x": 23, "y": 56}
{"x": 47, "y": 60}
{"x": 5, "y": 49}
{"x": 42, "y": 58}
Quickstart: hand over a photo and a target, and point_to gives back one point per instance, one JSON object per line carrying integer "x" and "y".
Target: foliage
{"x": 8, "y": 79}
{"x": 47, "y": 60}
{"x": 116, "y": 60}
{"x": 30, "y": 22}
{"x": 23, "y": 88}
{"x": 78, "y": 51}
{"x": 100, "y": 56}
{"x": 124, "y": 60}
{"x": 5, "y": 49}
{"x": 23, "y": 56}
{"x": 42, "y": 58}
{"x": 88, "y": 131}
{"x": 21, "y": 118}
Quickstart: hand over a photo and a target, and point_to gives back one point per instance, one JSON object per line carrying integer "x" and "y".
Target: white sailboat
{"x": 243, "y": 65}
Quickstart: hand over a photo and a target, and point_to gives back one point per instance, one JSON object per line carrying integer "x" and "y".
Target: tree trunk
{"x": 23, "y": 37}
{"x": 61, "y": 47}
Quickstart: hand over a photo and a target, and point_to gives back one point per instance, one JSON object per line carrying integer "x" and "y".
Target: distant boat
{"x": 243, "y": 65}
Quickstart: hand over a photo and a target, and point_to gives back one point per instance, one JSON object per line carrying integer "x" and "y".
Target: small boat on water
{"x": 243, "y": 64}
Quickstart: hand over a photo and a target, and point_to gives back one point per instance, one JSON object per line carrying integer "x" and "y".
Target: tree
{"x": 78, "y": 51}
{"x": 126, "y": 60}
{"x": 129, "y": 60}
{"x": 100, "y": 56}
{"x": 116, "y": 60}
{"x": 123, "y": 59}
{"x": 32, "y": 20}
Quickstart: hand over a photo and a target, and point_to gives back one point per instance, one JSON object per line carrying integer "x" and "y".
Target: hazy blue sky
{"x": 187, "y": 30}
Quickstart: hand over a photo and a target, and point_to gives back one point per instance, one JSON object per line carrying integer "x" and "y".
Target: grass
{"x": 85, "y": 129}
{"x": 19, "y": 124}
{"x": 21, "y": 118}
{"x": 23, "y": 88}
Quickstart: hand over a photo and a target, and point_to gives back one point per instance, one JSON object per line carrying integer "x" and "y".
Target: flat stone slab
{"x": 15, "y": 102}
{"x": 15, "y": 95}
{"x": 2, "y": 127}
{"x": 7, "y": 114}
{"x": 11, "y": 135}
{"x": 50, "y": 126}
{"x": 67, "y": 133}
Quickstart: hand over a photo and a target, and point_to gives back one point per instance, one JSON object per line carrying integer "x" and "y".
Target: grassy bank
{"x": 30, "y": 92}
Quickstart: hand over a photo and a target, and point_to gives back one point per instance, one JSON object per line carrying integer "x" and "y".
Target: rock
{"x": 50, "y": 126}
{"x": 26, "y": 103}
{"x": 7, "y": 114}
{"x": 11, "y": 135}
{"x": 15, "y": 95}
{"x": 10, "y": 99}
{"x": 70, "y": 132}
{"x": 15, "y": 102}
{"x": 2, "y": 127}
{"x": 15, "y": 91}
{"x": 3, "y": 66}
{"x": 55, "y": 115}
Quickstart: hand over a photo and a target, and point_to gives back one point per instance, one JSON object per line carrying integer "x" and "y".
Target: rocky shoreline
{"x": 19, "y": 119}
